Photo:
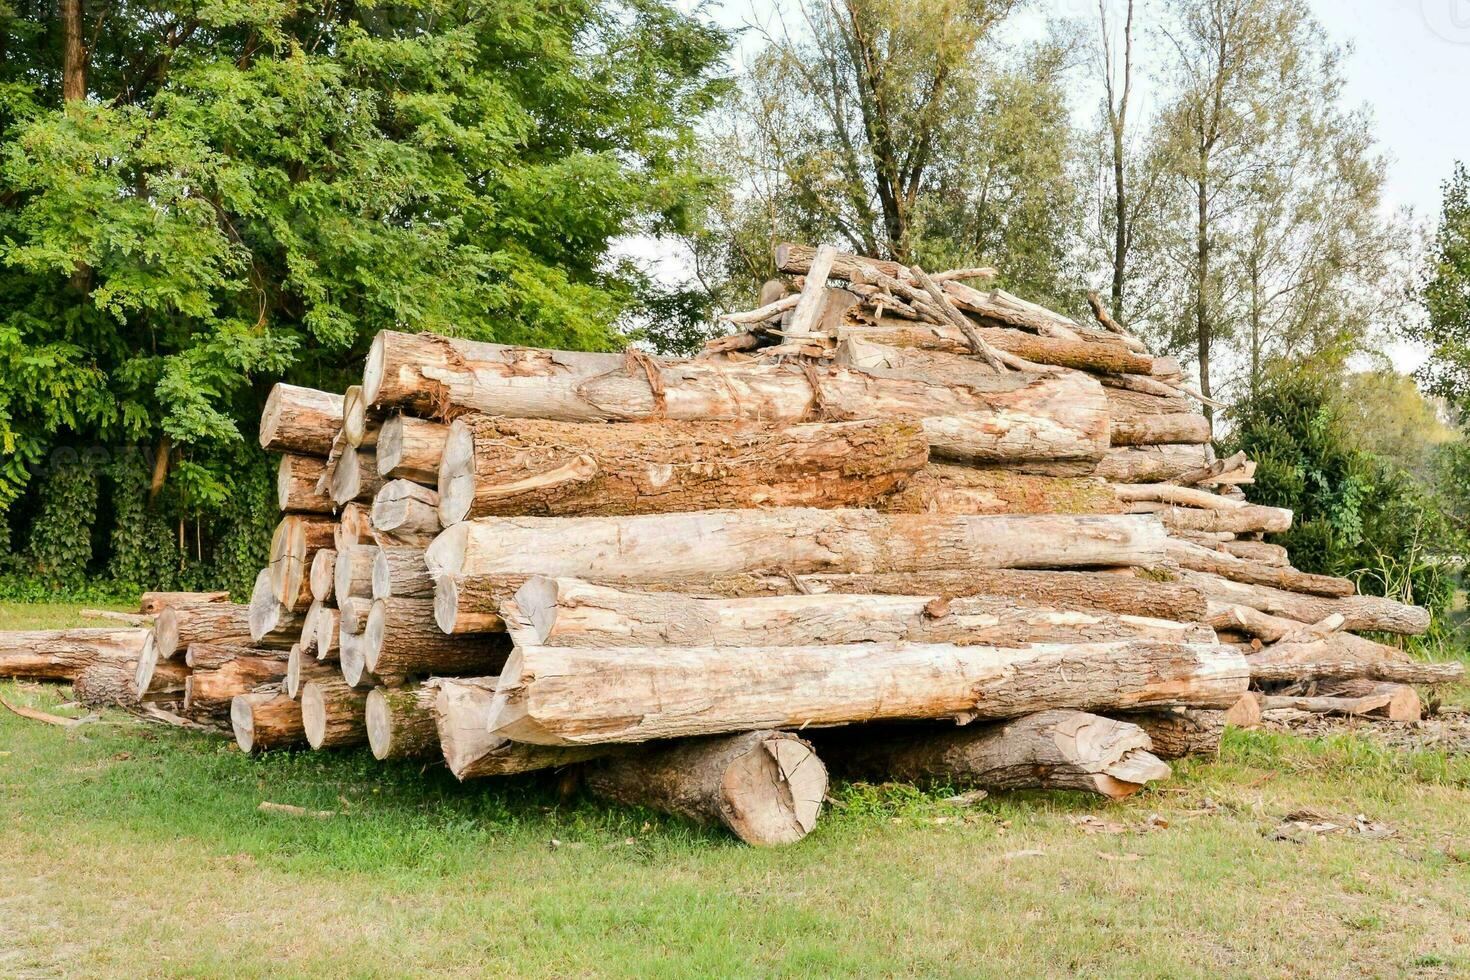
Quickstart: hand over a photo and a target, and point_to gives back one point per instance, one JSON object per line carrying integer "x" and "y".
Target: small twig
{"x": 1101, "y": 313}
{"x": 35, "y": 714}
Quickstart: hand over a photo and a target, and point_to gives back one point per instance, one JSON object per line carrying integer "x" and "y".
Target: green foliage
{"x": 60, "y": 542}
{"x": 1357, "y": 514}
{"x": 1445, "y": 293}
{"x": 252, "y": 190}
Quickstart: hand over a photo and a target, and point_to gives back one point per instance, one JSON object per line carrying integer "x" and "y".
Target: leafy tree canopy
{"x": 1445, "y": 293}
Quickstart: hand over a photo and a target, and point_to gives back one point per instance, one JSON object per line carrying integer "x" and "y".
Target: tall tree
{"x": 1444, "y": 291}
{"x": 1118, "y": 88}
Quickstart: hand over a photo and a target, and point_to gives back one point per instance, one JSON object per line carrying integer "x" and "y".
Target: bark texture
{"x": 266, "y": 719}
{"x": 300, "y": 420}
{"x": 461, "y": 714}
{"x": 333, "y": 714}
{"x": 400, "y": 722}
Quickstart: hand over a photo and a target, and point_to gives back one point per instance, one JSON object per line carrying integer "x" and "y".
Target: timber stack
{"x": 906, "y": 526}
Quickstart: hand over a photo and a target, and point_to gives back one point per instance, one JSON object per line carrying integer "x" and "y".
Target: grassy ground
{"x": 133, "y": 850}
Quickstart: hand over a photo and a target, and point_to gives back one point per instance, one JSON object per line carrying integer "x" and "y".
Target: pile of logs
{"x": 904, "y": 526}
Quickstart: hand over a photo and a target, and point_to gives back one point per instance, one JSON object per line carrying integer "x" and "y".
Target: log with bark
{"x": 1149, "y": 464}
{"x": 568, "y": 612}
{"x": 569, "y": 696}
{"x": 1057, "y": 351}
{"x": 1402, "y": 704}
{"x": 266, "y": 719}
{"x": 461, "y": 711}
{"x": 400, "y": 722}
{"x": 208, "y": 691}
{"x": 204, "y": 622}
{"x": 953, "y": 488}
{"x": 798, "y": 541}
{"x": 1180, "y": 732}
{"x": 115, "y": 683}
{"x": 301, "y": 668}
{"x": 333, "y": 714}
{"x": 406, "y": 513}
{"x": 766, "y": 787}
{"x": 1015, "y": 416}
{"x": 1201, "y": 559}
{"x": 300, "y": 420}
{"x": 1055, "y": 749}
{"x": 294, "y": 545}
{"x": 499, "y": 466}
{"x": 323, "y": 575}
{"x": 401, "y": 638}
{"x": 153, "y": 603}
{"x": 352, "y": 662}
{"x": 1359, "y": 612}
{"x": 270, "y": 621}
{"x": 328, "y": 625}
{"x": 410, "y": 448}
{"x": 1396, "y": 702}
{"x": 353, "y": 573}
{"x": 297, "y": 477}
{"x": 355, "y": 477}
{"x": 1247, "y": 518}
{"x": 360, "y": 424}
{"x": 402, "y": 574}
{"x": 354, "y": 526}
{"x": 60, "y": 655}
{"x": 473, "y": 605}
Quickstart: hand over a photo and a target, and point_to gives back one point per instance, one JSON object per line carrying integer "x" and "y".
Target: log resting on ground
{"x": 59, "y": 655}
{"x": 266, "y": 719}
{"x": 333, "y": 714}
{"x": 1179, "y": 732}
{"x": 461, "y": 712}
{"x": 400, "y": 722}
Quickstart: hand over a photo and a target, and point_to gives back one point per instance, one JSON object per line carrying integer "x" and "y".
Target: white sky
{"x": 1409, "y": 64}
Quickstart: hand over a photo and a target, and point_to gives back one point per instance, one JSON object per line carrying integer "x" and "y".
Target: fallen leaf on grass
{"x": 1089, "y": 824}
{"x": 1302, "y": 824}
{"x": 966, "y": 799}
{"x": 295, "y": 811}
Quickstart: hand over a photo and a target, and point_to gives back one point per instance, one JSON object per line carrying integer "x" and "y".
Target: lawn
{"x": 136, "y": 850}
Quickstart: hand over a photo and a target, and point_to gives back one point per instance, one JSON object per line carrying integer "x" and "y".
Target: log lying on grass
{"x": 115, "y": 683}
{"x": 213, "y": 683}
{"x": 1015, "y": 416}
{"x": 333, "y": 714}
{"x": 766, "y": 787}
{"x": 461, "y": 709}
{"x": 60, "y": 655}
{"x": 531, "y": 466}
{"x": 1359, "y": 612}
{"x": 410, "y": 448}
{"x": 568, "y": 612}
{"x": 204, "y": 622}
{"x": 300, "y": 420}
{"x": 400, "y": 722}
{"x": 569, "y": 696}
{"x": 473, "y": 605}
{"x": 266, "y": 719}
{"x": 406, "y": 513}
{"x": 1396, "y": 702}
{"x": 1055, "y": 749}
{"x": 296, "y": 482}
{"x": 153, "y": 603}
{"x": 1179, "y": 732}
{"x": 796, "y": 540}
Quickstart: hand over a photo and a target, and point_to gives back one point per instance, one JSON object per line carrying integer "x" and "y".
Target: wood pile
{"x": 908, "y": 526}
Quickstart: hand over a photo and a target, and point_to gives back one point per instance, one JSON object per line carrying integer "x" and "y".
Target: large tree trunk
{"x": 1078, "y": 355}
{"x": 792, "y": 540}
{"x": 1247, "y": 518}
{"x": 153, "y": 603}
{"x": 1150, "y": 464}
{"x": 208, "y": 692}
{"x": 73, "y": 52}
{"x": 353, "y": 573}
{"x": 355, "y": 477}
{"x": 1179, "y": 732}
{"x": 1047, "y": 750}
{"x": 333, "y": 714}
{"x": 461, "y": 711}
{"x": 1156, "y": 430}
{"x": 569, "y": 696}
{"x": 296, "y": 482}
{"x": 766, "y": 787}
{"x": 300, "y": 420}
{"x": 530, "y": 466}
{"x": 410, "y": 449}
{"x": 1014, "y": 416}
{"x": 266, "y": 719}
{"x": 401, "y": 638}
{"x": 473, "y": 605}
{"x": 400, "y": 722}
{"x": 115, "y": 683}
{"x": 294, "y": 545}
{"x": 401, "y": 573}
{"x": 1359, "y": 612}
{"x": 571, "y": 613}
{"x": 406, "y": 513}
{"x": 1199, "y": 559}
{"x": 59, "y": 655}
{"x": 953, "y": 488}
{"x": 206, "y": 622}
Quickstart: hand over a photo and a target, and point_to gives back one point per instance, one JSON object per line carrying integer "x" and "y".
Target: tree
{"x": 1444, "y": 292}
{"x": 252, "y": 190}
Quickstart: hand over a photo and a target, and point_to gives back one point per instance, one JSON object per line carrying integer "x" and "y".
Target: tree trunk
{"x": 473, "y": 605}
{"x": 1179, "y": 732}
{"x": 270, "y": 621}
{"x": 400, "y": 573}
{"x": 208, "y": 693}
{"x": 333, "y": 714}
{"x": 354, "y": 526}
{"x": 410, "y": 449}
{"x": 1258, "y": 551}
{"x": 570, "y": 613}
{"x": 300, "y": 420}
{"x": 1011, "y": 416}
{"x": 153, "y": 603}
{"x": 1403, "y": 704}
{"x": 495, "y": 466}
{"x": 360, "y": 425}
{"x": 1245, "y": 519}
{"x": 1198, "y": 559}
{"x": 294, "y": 545}
{"x": 1150, "y": 464}
{"x": 296, "y": 481}
{"x": 1157, "y": 430}
{"x": 353, "y": 573}
{"x": 793, "y": 540}
{"x": 406, "y": 513}
{"x": 400, "y": 722}
{"x": 401, "y": 638}
{"x": 461, "y": 710}
{"x": 59, "y": 655}
{"x": 301, "y": 668}
{"x": 1359, "y": 612}
{"x": 766, "y": 787}
{"x": 115, "y": 683}
{"x": 1048, "y": 750}
{"x": 1078, "y": 355}
{"x": 206, "y": 622}
{"x": 952, "y": 488}
{"x": 266, "y": 719}
{"x": 323, "y": 575}
{"x": 205, "y": 656}
{"x": 356, "y": 477}
{"x": 567, "y": 696}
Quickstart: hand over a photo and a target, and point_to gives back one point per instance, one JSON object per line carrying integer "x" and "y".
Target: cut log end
{"x": 456, "y": 474}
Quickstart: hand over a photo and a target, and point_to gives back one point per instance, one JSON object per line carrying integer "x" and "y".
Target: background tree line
{"x": 203, "y": 199}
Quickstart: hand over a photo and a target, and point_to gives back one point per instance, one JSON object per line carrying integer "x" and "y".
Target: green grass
{"x": 136, "y": 850}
